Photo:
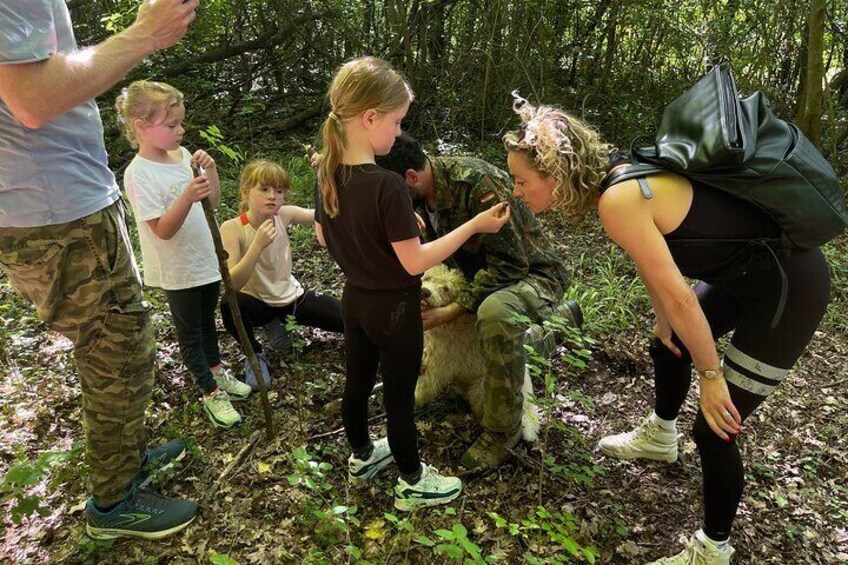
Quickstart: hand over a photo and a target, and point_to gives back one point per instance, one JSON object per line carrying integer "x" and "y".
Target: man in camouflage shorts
{"x": 64, "y": 243}
{"x": 514, "y": 275}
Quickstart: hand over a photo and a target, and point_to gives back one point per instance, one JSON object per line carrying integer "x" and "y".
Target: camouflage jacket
{"x": 519, "y": 251}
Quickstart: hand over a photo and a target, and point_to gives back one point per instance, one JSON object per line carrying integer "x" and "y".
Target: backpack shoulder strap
{"x": 635, "y": 171}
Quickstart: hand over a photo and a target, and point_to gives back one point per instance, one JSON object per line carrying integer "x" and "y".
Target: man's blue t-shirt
{"x": 59, "y": 172}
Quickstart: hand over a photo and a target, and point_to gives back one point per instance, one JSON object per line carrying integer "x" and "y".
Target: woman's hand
{"x": 663, "y": 332}
{"x": 718, "y": 409}
{"x": 493, "y": 219}
{"x": 265, "y": 234}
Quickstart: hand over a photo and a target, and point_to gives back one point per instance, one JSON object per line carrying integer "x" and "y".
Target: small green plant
{"x": 454, "y": 544}
{"x": 23, "y": 475}
{"x": 323, "y": 509}
{"x": 90, "y": 548}
{"x": 613, "y": 296}
{"x": 356, "y": 554}
{"x": 302, "y": 175}
{"x": 215, "y": 138}
{"x": 297, "y": 344}
{"x": 558, "y": 528}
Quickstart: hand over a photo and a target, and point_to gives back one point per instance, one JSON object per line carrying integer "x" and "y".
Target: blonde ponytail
{"x": 359, "y": 85}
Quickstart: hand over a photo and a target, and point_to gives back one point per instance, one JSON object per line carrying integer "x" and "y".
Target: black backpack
{"x": 739, "y": 146}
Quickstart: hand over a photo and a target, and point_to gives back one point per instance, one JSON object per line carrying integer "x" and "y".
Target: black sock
{"x": 412, "y": 478}
{"x": 364, "y": 452}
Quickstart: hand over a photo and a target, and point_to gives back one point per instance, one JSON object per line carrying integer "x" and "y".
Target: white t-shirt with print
{"x": 186, "y": 260}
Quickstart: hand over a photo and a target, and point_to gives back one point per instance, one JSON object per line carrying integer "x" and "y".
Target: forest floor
{"x": 560, "y": 500}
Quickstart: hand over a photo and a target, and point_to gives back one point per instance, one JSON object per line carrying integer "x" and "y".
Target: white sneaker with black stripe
{"x": 431, "y": 489}
{"x": 359, "y": 471}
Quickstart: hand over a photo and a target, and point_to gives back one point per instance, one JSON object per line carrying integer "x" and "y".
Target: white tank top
{"x": 272, "y": 281}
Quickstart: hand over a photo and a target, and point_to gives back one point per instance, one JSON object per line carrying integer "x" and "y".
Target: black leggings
{"x": 309, "y": 309}
{"x": 193, "y": 310}
{"x": 755, "y": 362}
{"x": 383, "y": 327}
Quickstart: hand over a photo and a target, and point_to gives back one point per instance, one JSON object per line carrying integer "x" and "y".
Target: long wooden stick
{"x": 232, "y": 299}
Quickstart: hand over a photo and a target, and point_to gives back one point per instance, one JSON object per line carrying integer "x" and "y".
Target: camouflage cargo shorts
{"x": 82, "y": 278}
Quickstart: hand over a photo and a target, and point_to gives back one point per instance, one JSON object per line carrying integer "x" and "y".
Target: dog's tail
{"x": 531, "y": 418}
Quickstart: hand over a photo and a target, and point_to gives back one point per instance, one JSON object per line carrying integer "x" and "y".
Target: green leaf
{"x": 445, "y": 534}
{"x": 451, "y": 550}
{"x": 424, "y": 540}
{"x": 25, "y": 506}
{"x": 22, "y": 475}
{"x": 220, "y": 559}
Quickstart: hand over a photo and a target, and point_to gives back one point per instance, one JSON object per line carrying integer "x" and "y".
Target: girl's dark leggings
{"x": 756, "y": 361}
{"x": 309, "y": 309}
{"x": 383, "y": 329}
{"x": 193, "y": 311}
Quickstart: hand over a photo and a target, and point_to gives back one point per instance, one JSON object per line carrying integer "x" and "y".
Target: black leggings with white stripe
{"x": 755, "y": 362}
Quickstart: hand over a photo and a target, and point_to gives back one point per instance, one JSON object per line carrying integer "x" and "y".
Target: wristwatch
{"x": 710, "y": 374}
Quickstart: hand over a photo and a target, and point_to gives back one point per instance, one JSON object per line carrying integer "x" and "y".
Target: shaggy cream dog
{"x": 452, "y": 356}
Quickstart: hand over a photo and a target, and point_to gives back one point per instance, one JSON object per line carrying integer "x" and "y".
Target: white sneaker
{"x": 359, "y": 471}
{"x": 219, "y": 409}
{"x": 649, "y": 441}
{"x": 700, "y": 551}
{"x": 430, "y": 490}
{"x": 227, "y": 382}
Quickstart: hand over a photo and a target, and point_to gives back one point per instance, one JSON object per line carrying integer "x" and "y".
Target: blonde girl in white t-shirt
{"x": 260, "y": 262}
{"x": 176, "y": 246}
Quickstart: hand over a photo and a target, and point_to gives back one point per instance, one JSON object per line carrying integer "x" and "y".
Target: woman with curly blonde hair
{"x": 564, "y": 152}
{"x": 673, "y": 227}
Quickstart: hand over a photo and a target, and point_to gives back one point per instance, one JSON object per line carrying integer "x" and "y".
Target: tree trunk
{"x": 809, "y": 119}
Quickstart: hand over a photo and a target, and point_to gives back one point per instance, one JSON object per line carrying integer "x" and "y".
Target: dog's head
{"x": 441, "y": 286}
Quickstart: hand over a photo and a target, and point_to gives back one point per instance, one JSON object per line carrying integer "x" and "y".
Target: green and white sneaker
{"x": 234, "y": 388}
{"x": 220, "y": 410}
{"x": 359, "y": 471}
{"x": 431, "y": 489}
{"x": 143, "y": 514}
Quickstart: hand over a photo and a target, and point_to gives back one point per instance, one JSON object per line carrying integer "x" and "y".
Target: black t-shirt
{"x": 375, "y": 209}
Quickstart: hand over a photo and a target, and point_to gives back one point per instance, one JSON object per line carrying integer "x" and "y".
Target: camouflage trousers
{"x": 502, "y": 320}
{"x": 82, "y": 278}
